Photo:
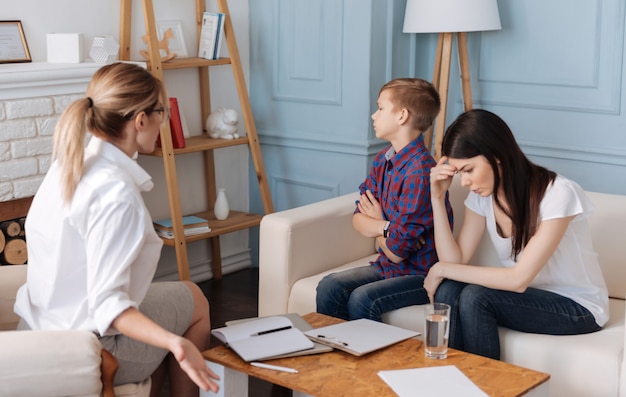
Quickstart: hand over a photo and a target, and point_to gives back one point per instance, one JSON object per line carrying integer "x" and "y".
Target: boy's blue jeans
{"x": 362, "y": 292}
{"x": 476, "y": 312}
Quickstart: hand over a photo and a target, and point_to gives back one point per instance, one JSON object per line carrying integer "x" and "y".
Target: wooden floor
{"x": 233, "y": 297}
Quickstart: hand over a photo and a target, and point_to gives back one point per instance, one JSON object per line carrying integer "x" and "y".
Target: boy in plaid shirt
{"x": 395, "y": 208}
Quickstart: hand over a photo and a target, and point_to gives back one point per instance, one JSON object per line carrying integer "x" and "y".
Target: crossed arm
{"x": 370, "y": 222}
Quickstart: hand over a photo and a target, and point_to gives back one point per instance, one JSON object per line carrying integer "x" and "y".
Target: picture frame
{"x": 177, "y": 42}
{"x": 13, "y": 46}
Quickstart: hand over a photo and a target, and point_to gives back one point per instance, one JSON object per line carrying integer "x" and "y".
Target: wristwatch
{"x": 386, "y": 229}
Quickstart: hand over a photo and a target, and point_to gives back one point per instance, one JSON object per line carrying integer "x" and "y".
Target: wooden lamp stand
{"x": 447, "y": 18}
{"x": 441, "y": 81}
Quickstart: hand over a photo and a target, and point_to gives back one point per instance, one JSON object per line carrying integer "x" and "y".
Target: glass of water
{"x": 436, "y": 330}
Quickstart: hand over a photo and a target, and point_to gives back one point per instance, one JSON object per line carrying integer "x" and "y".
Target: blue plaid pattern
{"x": 401, "y": 183}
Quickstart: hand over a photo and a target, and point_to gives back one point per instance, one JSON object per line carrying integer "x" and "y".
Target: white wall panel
{"x": 299, "y": 191}
{"x": 308, "y": 64}
{"x": 312, "y": 64}
{"x": 558, "y": 54}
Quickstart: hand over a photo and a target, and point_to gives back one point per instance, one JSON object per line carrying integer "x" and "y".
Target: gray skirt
{"x": 169, "y": 304}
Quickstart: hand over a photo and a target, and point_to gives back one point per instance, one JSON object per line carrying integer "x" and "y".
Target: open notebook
{"x": 360, "y": 337}
{"x": 263, "y": 338}
{"x": 299, "y": 323}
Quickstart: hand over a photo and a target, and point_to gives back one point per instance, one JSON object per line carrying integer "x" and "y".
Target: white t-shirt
{"x": 573, "y": 270}
{"x": 94, "y": 258}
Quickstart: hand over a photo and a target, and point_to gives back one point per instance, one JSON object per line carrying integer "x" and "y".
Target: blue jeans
{"x": 476, "y": 312}
{"x": 362, "y": 292}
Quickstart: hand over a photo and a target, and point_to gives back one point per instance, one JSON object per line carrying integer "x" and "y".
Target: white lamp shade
{"x": 436, "y": 16}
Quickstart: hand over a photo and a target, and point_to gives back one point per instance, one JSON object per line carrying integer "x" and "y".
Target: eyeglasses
{"x": 164, "y": 113}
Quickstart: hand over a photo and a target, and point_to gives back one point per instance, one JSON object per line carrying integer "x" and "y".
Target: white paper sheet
{"x": 444, "y": 381}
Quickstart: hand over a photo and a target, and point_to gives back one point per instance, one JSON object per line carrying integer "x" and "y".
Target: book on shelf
{"x": 183, "y": 119}
{"x": 188, "y": 232}
{"x": 192, "y": 225}
{"x": 263, "y": 338}
{"x": 220, "y": 36}
{"x": 177, "y": 125}
{"x": 211, "y": 35}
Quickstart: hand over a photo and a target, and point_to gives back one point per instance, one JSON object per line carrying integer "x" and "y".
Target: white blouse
{"x": 94, "y": 258}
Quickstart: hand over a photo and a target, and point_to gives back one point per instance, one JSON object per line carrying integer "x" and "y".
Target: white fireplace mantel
{"x": 29, "y": 80}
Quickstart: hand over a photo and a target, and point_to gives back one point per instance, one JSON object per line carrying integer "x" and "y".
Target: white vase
{"x": 221, "y": 207}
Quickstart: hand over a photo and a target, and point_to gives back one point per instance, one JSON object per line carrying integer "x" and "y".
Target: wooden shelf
{"x": 201, "y": 143}
{"x": 186, "y": 63}
{"x": 236, "y": 221}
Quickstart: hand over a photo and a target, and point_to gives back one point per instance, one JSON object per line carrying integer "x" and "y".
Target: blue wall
{"x": 315, "y": 70}
{"x": 554, "y": 73}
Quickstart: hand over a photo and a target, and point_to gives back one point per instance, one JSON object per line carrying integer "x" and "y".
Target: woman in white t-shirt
{"x": 550, "y": 281}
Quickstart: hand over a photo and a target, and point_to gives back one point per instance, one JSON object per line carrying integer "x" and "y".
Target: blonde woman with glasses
{"x": 92, "y": 248}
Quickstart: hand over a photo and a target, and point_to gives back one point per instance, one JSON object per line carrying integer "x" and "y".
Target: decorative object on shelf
{"x": 165, "y": 52}
{"x": 221, "y": 208}
{"x": 177, "y": 40}
{"x": 449, "y": 18}
{"x": 64, "y": 47}
{"x": 13, "y": 46}
{"x": 104, "y": 50}
{"x": 223, "y": 124}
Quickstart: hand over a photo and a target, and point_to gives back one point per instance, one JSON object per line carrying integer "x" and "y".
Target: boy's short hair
{"x": 417, "y": 96}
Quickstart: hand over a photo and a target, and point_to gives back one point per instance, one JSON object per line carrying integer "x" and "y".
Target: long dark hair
{"x": 479, "y": 132}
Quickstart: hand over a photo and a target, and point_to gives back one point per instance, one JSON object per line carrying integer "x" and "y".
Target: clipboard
{"x": 359, "y": 337}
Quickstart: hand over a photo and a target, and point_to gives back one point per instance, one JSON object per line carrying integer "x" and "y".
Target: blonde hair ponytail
{"x": 116, "y": 93}
{"x": 69, "y": 145}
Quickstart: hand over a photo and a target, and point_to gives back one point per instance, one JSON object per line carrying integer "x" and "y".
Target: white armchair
{"x": 49, "y": 363}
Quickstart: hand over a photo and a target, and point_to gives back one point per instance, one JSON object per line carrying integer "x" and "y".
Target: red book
{"x": 176, "y": 126}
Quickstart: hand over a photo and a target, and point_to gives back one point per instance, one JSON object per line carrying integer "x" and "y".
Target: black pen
{"x": 332, "y": 339}
{"x": 269, "y": 331}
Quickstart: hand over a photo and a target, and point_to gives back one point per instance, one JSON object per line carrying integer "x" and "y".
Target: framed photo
{"x": 173, "y": 32}
{"x": 13, "y": 47}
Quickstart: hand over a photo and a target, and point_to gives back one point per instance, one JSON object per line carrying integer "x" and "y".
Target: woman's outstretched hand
{"x": 441, "y": 178}
{"x": 191, "y": 361}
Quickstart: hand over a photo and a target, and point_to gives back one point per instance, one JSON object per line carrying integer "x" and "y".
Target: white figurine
{"x": 222, "y": 123}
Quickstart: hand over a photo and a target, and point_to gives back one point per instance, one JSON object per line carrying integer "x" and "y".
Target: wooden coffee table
{"x": 338, "y": 373}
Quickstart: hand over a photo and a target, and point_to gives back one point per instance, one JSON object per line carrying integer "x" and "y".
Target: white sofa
{"x": 48, "y": 363}
{"x": 299, "y": 246}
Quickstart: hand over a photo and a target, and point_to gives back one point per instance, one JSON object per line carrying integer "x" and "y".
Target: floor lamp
{"x": 449, "y": 17}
